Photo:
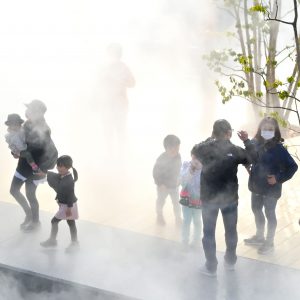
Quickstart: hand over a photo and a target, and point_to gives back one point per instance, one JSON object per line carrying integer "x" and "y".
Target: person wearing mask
{"x": 272, "y": 165}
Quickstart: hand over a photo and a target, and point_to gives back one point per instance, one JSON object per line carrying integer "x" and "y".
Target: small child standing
{"x": 15, "y": 139}
{"x": 63, "y": 184}
{"x": 166, "y": 176}
{"x": 190, "y": 175}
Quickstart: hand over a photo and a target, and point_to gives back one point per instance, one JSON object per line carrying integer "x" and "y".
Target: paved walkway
{"x": 137, "y": 265}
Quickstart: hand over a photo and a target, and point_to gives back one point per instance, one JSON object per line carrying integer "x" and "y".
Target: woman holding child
{"x": 44, "y": 153}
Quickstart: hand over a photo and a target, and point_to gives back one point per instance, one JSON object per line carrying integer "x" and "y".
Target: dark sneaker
{"x": 160, "y": 221}
{"x": 266, "y": 248}
{"x": 32, "y": 226}
{"x": 255, "y": 240}
{"x": 27, "y": 220}
{"x": 49, "y": 243}
{"x": 74, "y": 246}
{"x": 228, "y": 267}
{"x": 206, "y": 272}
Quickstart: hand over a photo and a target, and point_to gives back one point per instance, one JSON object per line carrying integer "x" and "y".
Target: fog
{"x": 55, "y": 51}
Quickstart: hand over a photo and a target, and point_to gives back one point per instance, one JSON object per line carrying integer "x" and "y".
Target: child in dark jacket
{"x": 166, "y": 176}
{"x": 272, "y": 165}
{"x": 63, "y": 184}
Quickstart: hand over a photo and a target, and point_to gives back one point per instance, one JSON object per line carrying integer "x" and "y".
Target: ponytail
{"x": 75, "y": 174}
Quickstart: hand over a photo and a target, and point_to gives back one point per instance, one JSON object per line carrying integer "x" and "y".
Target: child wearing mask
{"x": 272, "y": 165}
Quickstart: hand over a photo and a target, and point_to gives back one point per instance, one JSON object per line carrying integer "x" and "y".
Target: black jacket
{"x": 64, "y": 188}
{"x": 166, "y": 170}
{"x": 220, "y": 160}
{"x": 40, "y": 145}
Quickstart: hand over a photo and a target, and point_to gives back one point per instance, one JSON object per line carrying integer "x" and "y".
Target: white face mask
{"x": 267, "y": 134}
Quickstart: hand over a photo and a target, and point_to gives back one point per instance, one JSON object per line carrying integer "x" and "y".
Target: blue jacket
{"x": 269, "y": 159}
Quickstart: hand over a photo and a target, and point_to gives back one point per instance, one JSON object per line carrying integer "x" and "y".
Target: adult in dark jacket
{"x": 272, "y": 165}
{"x": 219, "y": 191}
{"x": 44, "y": 153}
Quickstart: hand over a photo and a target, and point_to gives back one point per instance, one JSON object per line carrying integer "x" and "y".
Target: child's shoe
{"x": 74, "y": 246}
{"x": 49, "y": 243}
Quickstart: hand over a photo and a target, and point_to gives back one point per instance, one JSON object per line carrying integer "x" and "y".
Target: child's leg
{"x": 54, "y": 228}
{"x": 197, "y": 221}
{"x": 174, "y": 194}
{"x": 187, "y": 219}
{"x": 162, "y": 194}
{"x": 73, "y": 230}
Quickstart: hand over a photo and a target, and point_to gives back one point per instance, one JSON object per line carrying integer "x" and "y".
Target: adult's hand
{"x": 243, "y": 135}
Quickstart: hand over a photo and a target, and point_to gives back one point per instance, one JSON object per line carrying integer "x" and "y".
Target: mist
{"x": 55, "y": 51}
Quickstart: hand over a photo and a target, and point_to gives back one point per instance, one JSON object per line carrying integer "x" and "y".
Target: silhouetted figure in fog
{"x": 63, "y": 183}
{"x": 166, "y": 176}
{"x": 116, "y": 77}
{"x": 272, "y": 165}
{"x": 219, "y": 191}
{"x": 44, "y": 153}
{"x": 190, "y": 176}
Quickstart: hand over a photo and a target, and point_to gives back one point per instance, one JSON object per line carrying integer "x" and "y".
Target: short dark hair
{"x": 171, "y": 141}
{"x": 220, "y": 128}
{"x": 269, "y": 120}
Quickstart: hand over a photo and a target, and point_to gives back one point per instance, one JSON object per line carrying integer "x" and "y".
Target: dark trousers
{"x": 269, "y": 203}
{"x": 32, "y": 209}
{"x": 209, "y": 217}
{"x": 72, "y": 226}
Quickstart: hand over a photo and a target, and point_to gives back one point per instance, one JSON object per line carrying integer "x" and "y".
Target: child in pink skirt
{"x": 63, "y": 184}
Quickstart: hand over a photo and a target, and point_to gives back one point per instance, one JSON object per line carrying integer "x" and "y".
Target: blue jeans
{"x": 269, "y": 203}
{"x": 189, "y": 215}
{"x": 210, "y": 215}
